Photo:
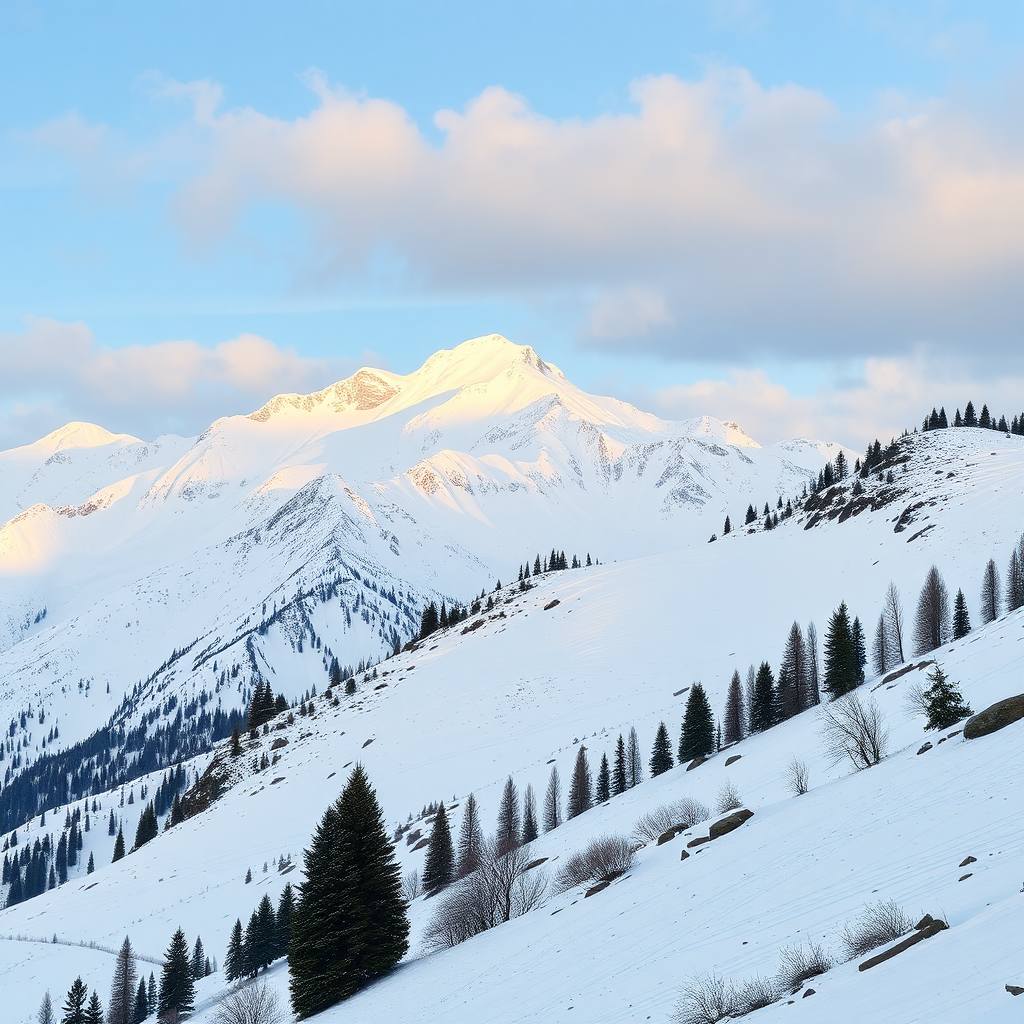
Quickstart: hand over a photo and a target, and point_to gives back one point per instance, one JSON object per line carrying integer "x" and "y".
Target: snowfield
{"x": 467, "y": 708}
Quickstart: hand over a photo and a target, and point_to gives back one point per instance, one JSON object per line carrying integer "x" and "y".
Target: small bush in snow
{"x": 878, "y": 924}
{"x": 686, "y": 813}
{"x": 800, "y": 962}
{"x": 411, "y": 885}
{"x": 603, "y": 858}
{"x": 704, "y": 999}
{"x": 250, "y": 1004}
{"x": 752, "y": 994}
{"x": 797, "y": 777}
{"x": 728, "y": 798}
{"x": 854, "y": 729}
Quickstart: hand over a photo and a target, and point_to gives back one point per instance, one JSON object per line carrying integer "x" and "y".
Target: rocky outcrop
{"x": 992, "y": 719}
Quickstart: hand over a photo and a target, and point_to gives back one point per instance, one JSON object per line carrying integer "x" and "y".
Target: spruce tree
{"x": 961, "y": 620}
{"x": 234, "y": 959}
{"x": 734, "y": 710}
{"x": 603, "y": 788}
{"x": 439, "y": 869}
{"x": 530, "y": 827}
{"x": 944, "y": 701}
{"x": 506, "y": 835}
{"x": 880, "y": 648}
{"x": 471, "y": 838}
{"x": 74, "y": 1004}
{"x": 121, "y": 1007}
{"x": 94, "y": 1011}
{"x": 989, "y": 593}
{"x": 283, "y": 921}
{"x": 1015, "y": 578}
{"x": 177, "y": 992}
{"x": 198, "y": 960}
{"x": 141, "y": 1010}
{"x": 151, "y": 996}
{"x": 350, "y": 923}
{"x": 619, "y": 772}
{"x": 762, "y": 705}
{"x": 661, "y": 755}
{"x": 580, "y": 793}
{"x": 698, "y": 734}
{"x": 860, "y": 646}
{"x": 44, "y": 1015}
{"x": 553, "y": 800}
{"x": 118, "y": 847}
{"x": 794, "y": 660}
{"x": 842, "y": 673}
{"x": 634, "y": 767}
{"x": 264, "y": 952}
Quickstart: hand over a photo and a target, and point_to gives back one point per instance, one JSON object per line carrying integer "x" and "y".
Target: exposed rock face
{"x": 998, "y": 716}
{"x": 730, "y": 822}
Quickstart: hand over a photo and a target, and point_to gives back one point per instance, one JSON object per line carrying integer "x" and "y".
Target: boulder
{"x": 552, "y": 604}
{"x": 963, "y": 878}
{"x": 595, "y": 889}
{"x": 699, "y": 841}
{"x": 994, "y": 718}
{"x": 695, "y": 763}
{"x": 729, "y": 822}
{"x": 911, "y": 940}
{"x": 924, "y": 922}
{"x": 809, "y": 992}
{"x": 279, "y": 743}
{"x": 927, "y": 746}
{"x": 966, "y": 861}
{"x": 1014, "y": 990}
{"x": 683, "y": 854}
{"x": 732, "y": 760}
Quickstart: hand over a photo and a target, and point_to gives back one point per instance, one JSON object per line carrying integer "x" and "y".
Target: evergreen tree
{"x": 944, "y": 701}
{"x": 734, "y": 710}
{"x": 151, "y": 995}
{"x": 90, "y": 867}
{"x": 580, "y": 793}
{"x": 471, "y": 838}
{"x": 931, "y": 625}
{"x": 860, "y": 646}
{"x": 1015, "y": 578}
{"x": 61, "y": 858}
{"x": 234, "y": 959}
{"x": 439, "y": 869}
{"x": 177, "y": 992}
{"x": 283, "y": 921}
{"x": 794, "y": 660}
{"x": 141, "y": 1009}
{"x": 430, "y": 621}
{"x": 698, "y": 734}
{"x": 74, "y": 1004}
{"x": 634, "y": 768}
{"x": 661, "y": 755}
{"x": 94, "y": 1011}
{"x": 236, "y": 751}
{"x": 961, "y": 620}
{"x": 198, "y": 960}
{"x": 350, "y": 923}
{"x": 880, "y": 648}
{"x": 970, "y": 417}
{"x": 813, "y": 667}
{"x": 727, "y": 528}
{"x": 762, "y": 706}
{"x": 603, "y": 789}
{"x": 985, "y": 420}
{"x": 118, "y": 847}
{"x": 619, "y": 784}
{"x": 44, "y": 1015}
{"x": 121, "y": 1007}
{"x": 842, "y": 671}
{"x": 112, "y": 824}
{"x": 262, "y": 950}
{"x": 989, "y": 593}
{"x": 148, "y": 827}
{"x": 530, "y": 827}
{"x": 507, "y": 833}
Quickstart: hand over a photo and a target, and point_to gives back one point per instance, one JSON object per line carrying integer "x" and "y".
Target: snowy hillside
{"x": 521, "y": 690}
{"x": 155, "y": 576}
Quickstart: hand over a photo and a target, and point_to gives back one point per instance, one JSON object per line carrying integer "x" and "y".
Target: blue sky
{"x": 803, "y": 216}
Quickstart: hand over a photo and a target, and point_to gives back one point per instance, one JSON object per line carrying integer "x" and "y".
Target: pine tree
{"x": 619, "y": 784}
{"x": 727, "y": 528}
{"x": 148, "y": 827}
{"x": 931, "y": 625}
{"x": 880, "y": 648}
{"x": 580, "y": 793}
{"x": 553, "y": 801}
{"x": 989, "y": 593}
{"x": 118, "y": 847}
{"x": 177, "y": 992}
{"x": 507, "y": 833}
{"x": 762, "y": 706}
{"x": 944, "y": 701}
{"x": 44, "y": 1015}
{"x": 603, "y": 788}
{"x": 961, "y": 620}
{"x": 698, "y": 734}
{"x": 74, "y": 1004}
{"x": 813, "y": 666}
{"x": 283, "y": 921}
{"x": 634, "y": 767}
{"x": 91, "y": 866}
{"x": 350, "y": 923}
{"x": 661, "y": 755}
{"x": 860, "y": 646}
{"x": 121, "y": 1007}
{"x": 970, "y": 417}
{"x": 234, "y": 959}
{"x": 94, "y": 1011}
{"x": 893, "y": 612}
{"x": 794, "y": 660}
{"x": 1015, "y": 578}
{"x": 141, "y": 1008}
{"x": 439, "y": 869}
{"x": 112, "y": 824}
{"x": 198, "y": 960}
{"x": 471, "y": 838}
{"x": 734, "y": 710}
{"x": 530, "y": 827}
{"x": 236, "y": 751}
{"x": 151, "y": 996}
{"x": 842, "y": 672}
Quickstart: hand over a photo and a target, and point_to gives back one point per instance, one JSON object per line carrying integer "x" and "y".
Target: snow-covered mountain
{"x": 318, "y": 526}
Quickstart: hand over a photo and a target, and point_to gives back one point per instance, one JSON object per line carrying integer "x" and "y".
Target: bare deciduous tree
{"x": 931, "y": 624}
{"x": 703, "y": 999}
{"x": 892, "y": 609}
{"x": 728, "y": 798}
{"x": 799, "y": 963}
{"x": 411, "y": 885}
{"x": 683, "y": 813}
{"x": 878, "y": 924}
{"x": 989, "y": 593}
{"x": 601, "y": 860}
{"x": 854, "y": 729}
{"x": 255, "y": 1003}
{"x": 797, "y": 777}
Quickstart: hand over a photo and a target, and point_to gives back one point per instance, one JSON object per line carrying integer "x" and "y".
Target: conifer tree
{"x": 734, "y": 710}
{"x": 94, "y": 1011}
{"x": 931, "y": 625}
{"x": 90, "y": 867}
{"x": 794, "y": 660}
{"x": 553, "y": 801}
{"x": 530, "y": 828}
{"x": 148, "y": 827}
{"x": 842, "y": 672}
{"x": 970, "y": 416}
{"x": 893, "y": 612}
{"x": 989, "y": 593}
{"x": 74, "y": 1004}
{"x": 234, "y": 959}
{"x": 121, "y": 1007}
{"x": 698, "y": 734}
{"x": 283, "y": 921}
{"x": 762, "y": 706}
{"x": 1015, "y": 578}
{"x": 177, "y": 992}
{"x": 151, "y": 995}
{"x": 439, "y": 869}
{"x": 727, "y": 528}
{"x": 198, "y": 960}
{"x": 634, "y": 767}
{"x": 141, "y": 1010}
{"x": 118, "y": 847}
{"x": 506, "y": 835}
{"x": 603, "y": 788}
{"x": 860, "y": 646}
{"x": 471, "y": 838}
{"x": 813, "y": 668}
{"x": 350, "y": 923}
{"x": 661, "y": 755}
{"x": 880, "y": 648}
{"x": 44, "y": 1015}
{"x": 961, "y": 620}
{"x": 944, "y": 701}
{"x": 580, "y": 792}
{"x": 619, "y": 782}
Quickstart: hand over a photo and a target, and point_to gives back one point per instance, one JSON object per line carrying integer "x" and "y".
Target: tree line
{"x": 938, "y": 420}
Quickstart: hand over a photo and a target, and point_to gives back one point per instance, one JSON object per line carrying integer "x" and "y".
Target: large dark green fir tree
{"x": 177, "y": 990}
{"x": 733, "y": 721}
{"x": 439, "y": 868}
{"x": 944, "y": 701}
{"x": 580, "y": 789}
{"x": 661, "y": 755}
{"x": 842, "y": 671}
{"x": 350, "y": 922}
{"x": 141, "y": 1011}
{"x": 603, "y": 788}
{"x": 121, "y": 1007}
{"x": 961, "y": 620}
{"x": 74, "y": 1004}
{"x": 762, "y": 704}
{"x": 118, "y": 847}
{"x": 619, "y": 771}
{"x": 283, "y": 921}
{"x": 94, "y": 1011}
{"x": 234, "y": 959}
{"x": 698, "y": 734}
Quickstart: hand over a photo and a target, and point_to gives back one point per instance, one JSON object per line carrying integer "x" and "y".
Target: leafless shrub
{"x": 603, "y": 858}
{"x": 255, "y": 1003}
{"x": 800, "y": 962}
{"x": 703, "y": 999}
{"x": 797, "y": 777}
{"x": 855, "y": 729}
{"x": 915, "y": 701}
{"x": 684, "y": 813}
{"x": 753, "y": 993}
{"x": 728, "y": 798}
{"x": 411, "y": 885}
{"x": 877, "y": 924}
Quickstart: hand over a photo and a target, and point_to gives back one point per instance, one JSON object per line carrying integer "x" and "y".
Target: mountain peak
{"x": 76, "y": 434}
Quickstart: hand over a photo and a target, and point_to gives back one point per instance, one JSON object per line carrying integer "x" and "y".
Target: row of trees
{"x": 938, "y": 420}
{"x": 264, "y": 940}
{"x": 555, "y": 562}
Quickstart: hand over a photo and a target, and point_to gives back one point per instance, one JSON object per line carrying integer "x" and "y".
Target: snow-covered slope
{"x": 520, "y": 692}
